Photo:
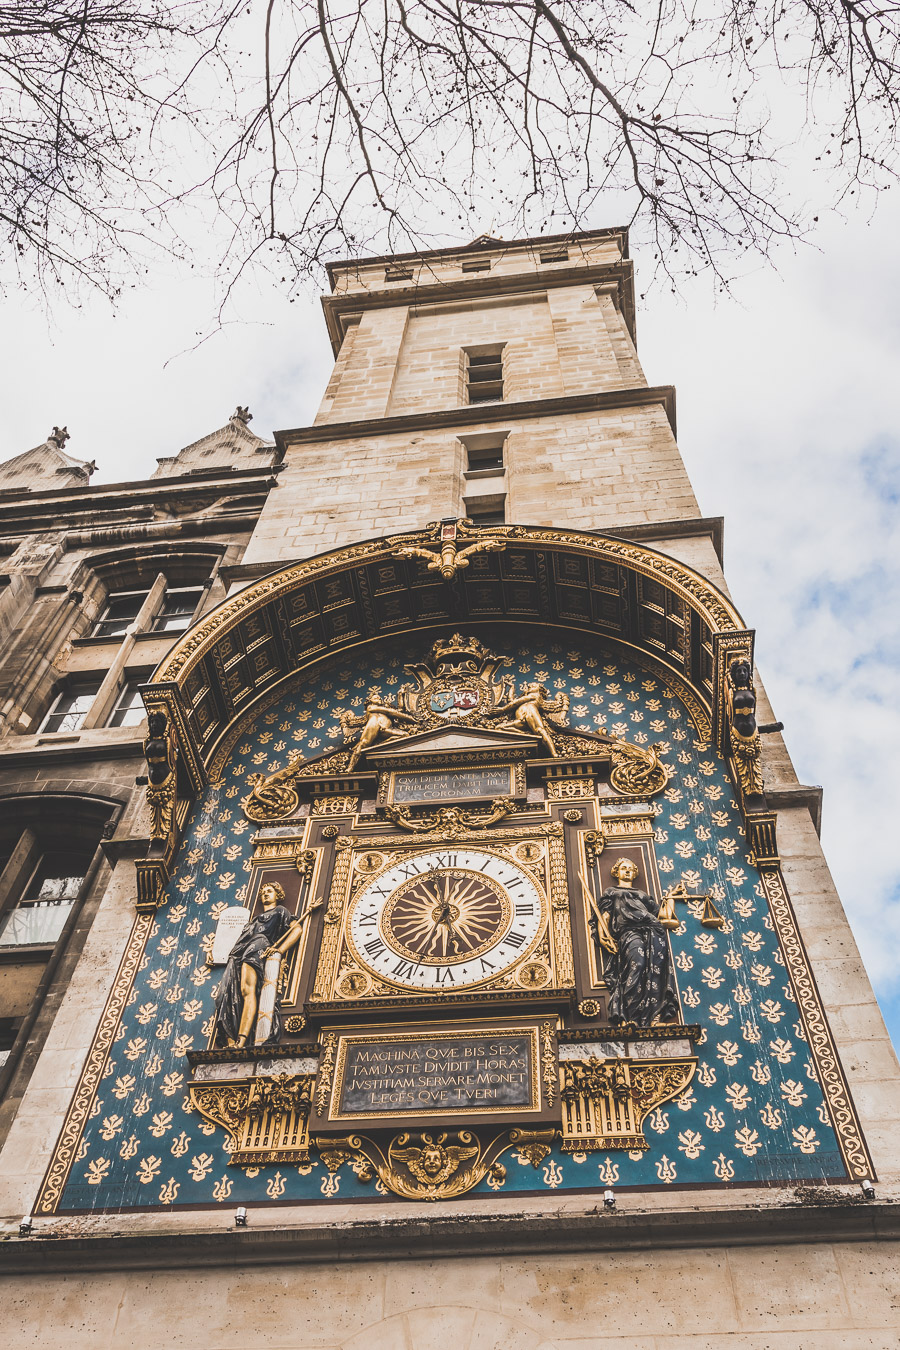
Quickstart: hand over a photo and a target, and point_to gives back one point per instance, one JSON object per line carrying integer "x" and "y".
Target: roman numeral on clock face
{"x": 406, "y": 970}
{"x": 515, "y": 940}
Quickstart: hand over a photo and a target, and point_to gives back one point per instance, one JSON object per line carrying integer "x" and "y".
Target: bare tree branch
{"x": 247, "y": 140}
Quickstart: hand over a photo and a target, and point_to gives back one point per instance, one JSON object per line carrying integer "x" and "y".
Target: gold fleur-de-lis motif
{"x": 805, "y": 1139}
{"x": 760, "y": 1073}
{"x": 180, "y": 1145}
{"x": 169, "y": 1192}
{"x": 275, "y": 1186}
{"x": 689, "y": 1144}
{"x": 770, "y": 1116}
{"x": 748, "y": 1141}
{"x": 200, "y": 1166}
{"x": 723, "y": 1168}
{"x": 97, "y": 1170}
{"x": 793, "y": 1092}
{"x": 129, "y": 1147}
{"x": 609, "y": 1172}
{"x": 222, "y": 1189}
{"x": 666, "y": 1170}
{"x": 738, "y": 1095}
{"x": 715, "y": 1121}
{"x": 729, "y": 1053}
{"x": 148, "y": 1169}
{"x": 553, "y": 1174}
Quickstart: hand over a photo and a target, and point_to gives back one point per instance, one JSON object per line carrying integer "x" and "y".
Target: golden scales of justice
{"x": 711, "y": 917}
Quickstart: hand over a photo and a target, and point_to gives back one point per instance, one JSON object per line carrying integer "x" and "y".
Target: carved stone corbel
{"x": 160, "y": 750}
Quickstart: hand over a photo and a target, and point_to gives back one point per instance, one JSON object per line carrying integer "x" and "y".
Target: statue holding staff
{"x": 273, "y": 931}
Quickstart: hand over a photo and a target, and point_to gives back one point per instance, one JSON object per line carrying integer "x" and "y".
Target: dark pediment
{"x": 455, "y": 740}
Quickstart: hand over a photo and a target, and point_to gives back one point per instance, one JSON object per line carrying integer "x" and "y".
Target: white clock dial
{"x": 446, "y": 919}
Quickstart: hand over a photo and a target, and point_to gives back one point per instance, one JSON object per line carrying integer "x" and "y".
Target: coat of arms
{"x": 460, "y": 683}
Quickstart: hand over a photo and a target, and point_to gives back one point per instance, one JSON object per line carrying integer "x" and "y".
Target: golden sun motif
{"x": 446, "y": 915}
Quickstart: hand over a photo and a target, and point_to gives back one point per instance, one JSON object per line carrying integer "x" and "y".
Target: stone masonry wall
{"x": 592, "y": 470}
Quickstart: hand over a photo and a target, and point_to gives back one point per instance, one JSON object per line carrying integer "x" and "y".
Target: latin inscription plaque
{"x": 450, "y": 785}
{"x": 409, "y": 1076}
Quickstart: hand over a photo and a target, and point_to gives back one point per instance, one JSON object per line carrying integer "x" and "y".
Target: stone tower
{"x": 463, "y": 966}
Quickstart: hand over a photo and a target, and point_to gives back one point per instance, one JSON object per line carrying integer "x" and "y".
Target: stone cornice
{"x": 784, "y": 797}
{"x": 491, "y": 1235}
{"x": 648, "y": 532}
{"x": 98, "y": 497}
{"x": 343, "y": 307}
{"x": 639, "y": 396}
{"x": 485, "y": 245}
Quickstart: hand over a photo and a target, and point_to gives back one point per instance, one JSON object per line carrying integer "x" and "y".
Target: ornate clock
{"x": 446, "y": 919}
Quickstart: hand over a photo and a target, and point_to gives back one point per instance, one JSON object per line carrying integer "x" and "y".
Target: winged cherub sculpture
{"x": 435, "y": 1162}
{"x": 530, "y": 711}
{"x": 377, "y": 722}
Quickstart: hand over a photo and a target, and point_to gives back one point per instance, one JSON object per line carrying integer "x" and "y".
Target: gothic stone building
{"x": 412, "y": 930}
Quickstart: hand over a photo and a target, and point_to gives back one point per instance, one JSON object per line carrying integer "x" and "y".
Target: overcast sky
{"x": 788, "y": 422}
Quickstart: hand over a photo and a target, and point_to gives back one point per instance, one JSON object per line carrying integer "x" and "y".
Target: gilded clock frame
{"x": 552, "y": 947}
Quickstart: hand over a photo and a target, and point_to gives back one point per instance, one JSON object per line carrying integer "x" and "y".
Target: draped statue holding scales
{"x": 247, "y": 999}
{"x": 638, "y": 959}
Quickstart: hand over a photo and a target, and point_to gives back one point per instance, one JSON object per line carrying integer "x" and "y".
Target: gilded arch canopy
{"x": 328, "y": 604}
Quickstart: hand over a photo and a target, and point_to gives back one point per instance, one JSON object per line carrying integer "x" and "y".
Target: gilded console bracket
{"x": 432, "y": 1165}
{"x": 605, "y": 1102}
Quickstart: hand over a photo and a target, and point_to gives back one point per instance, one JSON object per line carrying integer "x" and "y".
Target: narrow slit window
{"x": 492, "y": 513}
{"x": 476, "y": 265}
{"x": 555, "y": 255}
{"x": 485, "y": 458}
{"x": 484, "y": 377}
{"x": 398, "y": 274}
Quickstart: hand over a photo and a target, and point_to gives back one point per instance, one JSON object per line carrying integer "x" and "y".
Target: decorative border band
{"x": 80, "y": 1105}
{"x": 821, "y": 1043}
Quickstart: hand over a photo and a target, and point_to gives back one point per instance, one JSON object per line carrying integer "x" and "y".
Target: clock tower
{"x": 475, "y": 973}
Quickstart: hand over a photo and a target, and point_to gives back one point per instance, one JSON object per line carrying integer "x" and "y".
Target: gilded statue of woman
{"x": 273, "y": 929}
{"x": 638, "y": 959}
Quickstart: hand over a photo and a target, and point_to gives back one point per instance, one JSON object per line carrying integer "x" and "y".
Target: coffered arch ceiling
{"x": 617, "y": 590}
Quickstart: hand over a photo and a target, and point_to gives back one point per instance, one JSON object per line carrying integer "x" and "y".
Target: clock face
{"x": 446, "y": 919}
